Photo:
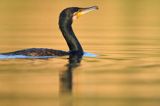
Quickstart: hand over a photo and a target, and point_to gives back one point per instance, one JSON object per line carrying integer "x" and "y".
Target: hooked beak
{"x": 83, "y": 11}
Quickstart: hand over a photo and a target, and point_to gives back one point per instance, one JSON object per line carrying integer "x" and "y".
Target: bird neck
{"x": 72, "y": 42}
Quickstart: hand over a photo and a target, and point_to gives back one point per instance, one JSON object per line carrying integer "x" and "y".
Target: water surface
{"x": 123, "y": 34}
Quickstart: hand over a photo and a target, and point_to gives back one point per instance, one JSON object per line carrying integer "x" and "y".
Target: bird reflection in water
{"x": 66, "y": 76}
{"x": 66, "y": 80}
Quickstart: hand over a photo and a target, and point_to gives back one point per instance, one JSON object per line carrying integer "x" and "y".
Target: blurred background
{"x": 34, "y": 22}
{"x": 125, "y": 34}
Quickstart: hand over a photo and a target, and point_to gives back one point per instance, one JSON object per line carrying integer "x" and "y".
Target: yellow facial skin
{"x": 84, "y": 11}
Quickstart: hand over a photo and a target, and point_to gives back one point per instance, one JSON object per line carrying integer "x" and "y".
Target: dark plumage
{"x": 38, "y": 52}
{"x": 65, "y": 24}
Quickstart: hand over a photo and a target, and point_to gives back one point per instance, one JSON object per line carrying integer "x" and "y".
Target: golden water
{"x": 125, "y": 34}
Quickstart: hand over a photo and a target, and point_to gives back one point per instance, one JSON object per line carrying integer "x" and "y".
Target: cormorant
{"x": 65, "y": 24}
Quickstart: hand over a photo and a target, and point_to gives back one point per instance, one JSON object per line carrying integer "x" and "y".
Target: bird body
{"x": 38, "y": 52}
{"x": 65, "y": 24}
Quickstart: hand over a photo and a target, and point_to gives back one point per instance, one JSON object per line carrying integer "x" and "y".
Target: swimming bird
{"x": 66, "y": 18}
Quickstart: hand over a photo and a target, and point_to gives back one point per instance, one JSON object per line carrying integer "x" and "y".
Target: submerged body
{"x": 65, "y": 24}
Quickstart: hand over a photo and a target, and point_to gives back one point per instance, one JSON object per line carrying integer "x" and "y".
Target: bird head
{"x": 73, "y": 13}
